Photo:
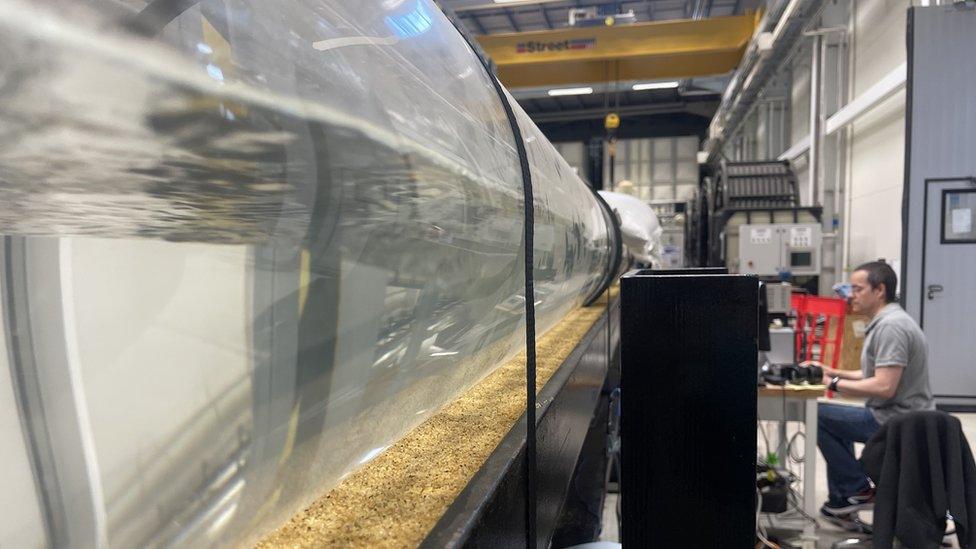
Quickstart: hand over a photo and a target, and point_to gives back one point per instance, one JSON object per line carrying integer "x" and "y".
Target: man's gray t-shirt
{"x": 894, "y": 339}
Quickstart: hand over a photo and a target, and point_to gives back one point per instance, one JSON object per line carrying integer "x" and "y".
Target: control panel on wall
{"x": 778, "y": 249}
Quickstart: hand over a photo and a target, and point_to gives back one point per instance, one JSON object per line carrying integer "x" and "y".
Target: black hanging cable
{"x": 527, "y": 239}
{"x": 616, "y": 87}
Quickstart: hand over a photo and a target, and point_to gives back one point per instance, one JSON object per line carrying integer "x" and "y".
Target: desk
{"x": 796, "y": 403}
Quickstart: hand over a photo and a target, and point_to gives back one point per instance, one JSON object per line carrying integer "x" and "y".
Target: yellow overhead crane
{"x": 642, "y": 51}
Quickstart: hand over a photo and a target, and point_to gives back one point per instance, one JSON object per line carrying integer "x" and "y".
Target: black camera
{"x": 795, "y": 374}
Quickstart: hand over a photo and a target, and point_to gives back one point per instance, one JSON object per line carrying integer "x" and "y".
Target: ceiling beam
{"x": 600, "y": 112}
{"x": 477, "y": 23}
{"x": 511, "y": 21}
{"x": 545, "y": 16}
{"x": 701, "y": 9}
{"x": 483, "y": 5}
{"x": 500, "y": 9}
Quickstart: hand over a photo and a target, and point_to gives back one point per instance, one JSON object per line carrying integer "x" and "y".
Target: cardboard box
{"x": 850, "y": 351}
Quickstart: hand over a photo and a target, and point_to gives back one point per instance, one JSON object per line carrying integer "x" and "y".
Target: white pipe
{"x": 864, "y": 103}
{"x": 787, "y": 13}
{"x": 797, "y": 150}
{"x": 881, "y": 90}
{"x": 763, "y": 55}
{"x": 816, "y": 118}
{"x": 848, "y": 141}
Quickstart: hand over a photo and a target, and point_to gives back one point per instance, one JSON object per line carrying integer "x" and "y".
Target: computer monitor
{"x": 801, "y": 259}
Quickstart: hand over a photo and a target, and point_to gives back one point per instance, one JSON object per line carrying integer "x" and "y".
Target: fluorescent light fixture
{"x": 571, "y": 91}
{"x": 640, "y": 86}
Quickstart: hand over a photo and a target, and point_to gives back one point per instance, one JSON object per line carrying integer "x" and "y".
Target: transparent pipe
{"x": 248, "y": 245}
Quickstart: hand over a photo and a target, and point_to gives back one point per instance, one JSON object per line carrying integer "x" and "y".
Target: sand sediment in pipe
{"x": 397, "y": 498}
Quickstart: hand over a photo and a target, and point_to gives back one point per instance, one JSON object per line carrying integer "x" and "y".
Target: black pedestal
{"x": 688, "y": 418}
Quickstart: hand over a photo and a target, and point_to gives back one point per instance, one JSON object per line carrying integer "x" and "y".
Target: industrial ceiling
{"x": 678, "y": 53}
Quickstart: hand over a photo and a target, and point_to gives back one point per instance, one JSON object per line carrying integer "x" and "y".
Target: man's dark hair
{"x": 880, "y": 272}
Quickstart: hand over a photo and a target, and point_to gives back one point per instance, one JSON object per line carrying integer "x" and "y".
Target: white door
{"x": 948, "y": 308}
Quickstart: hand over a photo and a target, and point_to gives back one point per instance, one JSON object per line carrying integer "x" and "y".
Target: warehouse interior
{"x": 468, "y": 273}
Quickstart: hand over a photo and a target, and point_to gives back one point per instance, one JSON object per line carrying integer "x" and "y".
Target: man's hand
{"x": 828, "y": 372}
{"x": 832, "y": 372}
{"x": 826, "y": 378}
{"x": 884, "y": 383}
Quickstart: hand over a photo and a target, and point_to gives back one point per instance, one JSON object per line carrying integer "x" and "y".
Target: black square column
{"x": 688, "y": 409}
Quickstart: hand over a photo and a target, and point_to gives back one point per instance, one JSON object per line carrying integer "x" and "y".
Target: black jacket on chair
{"x": 922, "y": 467}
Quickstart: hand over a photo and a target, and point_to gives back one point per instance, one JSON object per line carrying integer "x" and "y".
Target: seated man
{"x": 894, "y": 379}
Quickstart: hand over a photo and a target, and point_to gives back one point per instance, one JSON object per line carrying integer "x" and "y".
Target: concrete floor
{"x": 827, "y": 533}
{"x": 610, "y": 531}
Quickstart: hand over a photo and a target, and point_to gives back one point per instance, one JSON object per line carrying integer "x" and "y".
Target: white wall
{"x": 876, "y": 179}
{"x": 660, "y": 168}
{"x": 800, "y": 115}
{"x": 877, "y": 140}
{"x": 800, "y": 94}
{"x": 879, "y": 40}
{"x": 574, "y": 152}
{"x": 875, "y": 151}
{"x": 873, "y": 175}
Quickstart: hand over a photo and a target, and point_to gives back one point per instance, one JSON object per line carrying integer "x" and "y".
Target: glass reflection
{"x": 249, "y": 245}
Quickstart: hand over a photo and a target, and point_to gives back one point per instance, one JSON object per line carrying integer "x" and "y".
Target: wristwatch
{"x": 833, "y": 383}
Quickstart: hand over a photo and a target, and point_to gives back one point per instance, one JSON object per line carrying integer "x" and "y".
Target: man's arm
{"x": 852, "y": 375}
{"x": 830, "y": 372}
{"x": 891, "y": 356}
{"x": 883, "y": 384}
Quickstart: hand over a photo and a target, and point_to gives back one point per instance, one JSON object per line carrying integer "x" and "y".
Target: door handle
{"x": 934, "y": 289}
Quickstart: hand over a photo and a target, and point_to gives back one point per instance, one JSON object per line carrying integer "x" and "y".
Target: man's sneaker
{"x": 863, "y": 500}
{"x": 838, "y": 509}
{"x": 847, "y": 521}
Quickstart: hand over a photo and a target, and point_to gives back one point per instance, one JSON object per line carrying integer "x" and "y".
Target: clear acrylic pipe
{"x": 248, "y": 245}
